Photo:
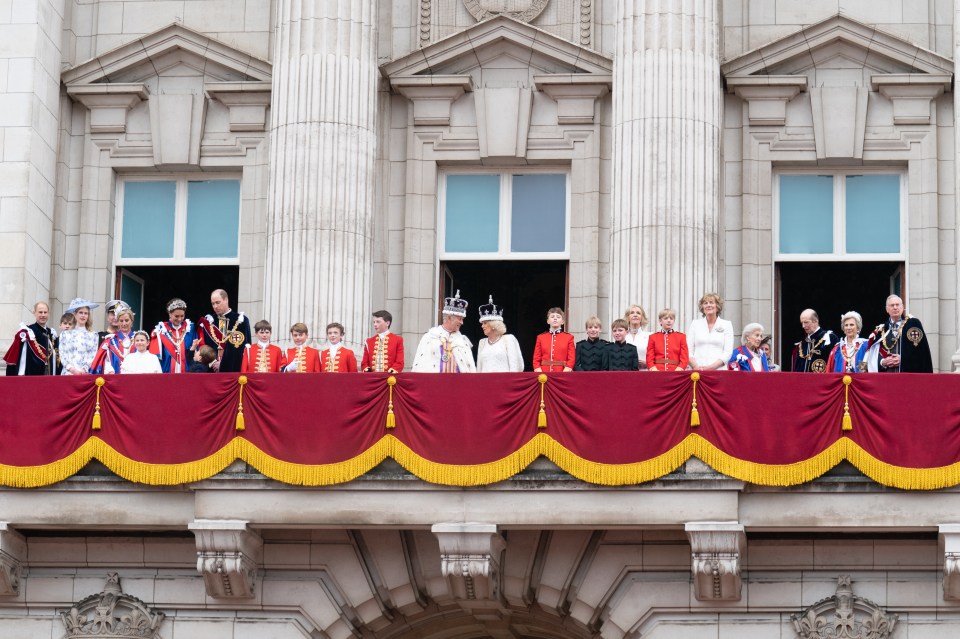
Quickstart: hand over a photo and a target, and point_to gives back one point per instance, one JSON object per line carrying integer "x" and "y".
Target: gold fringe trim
{"x": 482, "y": 474}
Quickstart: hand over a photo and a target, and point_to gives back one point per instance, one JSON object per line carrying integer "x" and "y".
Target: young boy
{"x": 554, "y": 351}
{"x": 301, "y": 358}
{"x": 382, "y": 353}
{"x": 621, "y": 354}
{"x": 591, "y": 353}
{"x": 335, "y": 358}
{"x": 202, "y": 358}
{"x": 262, "y": 357}
{"x": 667, "y": 349}
{"x": 67, "y": 321}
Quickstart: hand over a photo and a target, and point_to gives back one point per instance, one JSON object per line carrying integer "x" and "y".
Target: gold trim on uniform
{"x": 915, "y": 335}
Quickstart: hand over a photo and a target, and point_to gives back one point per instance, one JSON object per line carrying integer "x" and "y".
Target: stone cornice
{"x": 432, "y": 95}
{"x": 575, "y": 94}
{"x": 108, "y": 103}
{"x": 247, "y": 101}
{"x": 767, "y": 96}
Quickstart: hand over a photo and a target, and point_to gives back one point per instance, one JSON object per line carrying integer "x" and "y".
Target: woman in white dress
{"x": 498, "y": 351}
{"x": 140, "y": 360}
{"x": 78, "y": 346}
{"x": 710, "y": 338}
{"x": 636, "y": 332}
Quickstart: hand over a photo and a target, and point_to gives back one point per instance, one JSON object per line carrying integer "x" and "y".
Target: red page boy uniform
{"x": 382, "y": 353}
{"x": 259, "y": 358}
{"x": 667, "y": 351}
{"x": 338, "y": 359}
{"x": 302, "y": 359}
{"x": 555, "y": 350}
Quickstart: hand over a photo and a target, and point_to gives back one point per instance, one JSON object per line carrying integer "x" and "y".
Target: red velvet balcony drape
{"x": 605, "y": 428}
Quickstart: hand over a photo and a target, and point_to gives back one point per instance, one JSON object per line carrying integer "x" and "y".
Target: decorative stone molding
{"x": 951, "y": 561}
{"x": 586, "y": 22}
{"x": 247, "y": 101}
{"x": 844, "y": 616}
{"x": 108, "y": 103}
{"x": 228, "y": 555}
{"x": 426, "y": 17}
{"x": 522, "y": 10}
{"x": 911, "y": 94}
{"x": 839, "y": 121}
{"x": 432, "y": 96}
{"x": 470, "y": 558}
{"x": 767, "y": 96}
{"x": 716, "y": 549}
{"x": 13, "y": 551}
{"x": 575, "y": 94}
{"x": 111, "y": 614}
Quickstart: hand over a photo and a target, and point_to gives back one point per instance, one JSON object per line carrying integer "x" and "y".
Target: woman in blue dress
{"x": 848, "y": 355}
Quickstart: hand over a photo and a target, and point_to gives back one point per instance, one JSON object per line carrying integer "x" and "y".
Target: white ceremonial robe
{"x": 428, "y": 357}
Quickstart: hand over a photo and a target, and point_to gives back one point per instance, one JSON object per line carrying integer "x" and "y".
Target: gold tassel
{"x": 847, "y": 423}
{"x": 542, "y": 417}
{"x": 391, "y": 418}
{"x": 96, "y": 411}
{"x": 242, "y": 380}
{"x": 694, "y": 413}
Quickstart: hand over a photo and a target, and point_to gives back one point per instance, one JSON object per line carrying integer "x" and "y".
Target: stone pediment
{"x": 493, "y": 43}
{"x": 837, "y": 42}
{"x": 173, "y": 50}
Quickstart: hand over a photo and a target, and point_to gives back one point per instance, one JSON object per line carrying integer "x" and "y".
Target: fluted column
{"x": 666, "y": 155}
{"x": 323, "y": 142}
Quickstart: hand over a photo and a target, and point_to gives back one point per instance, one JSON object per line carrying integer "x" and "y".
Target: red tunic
{"x": 257, "y": 359}
{"x": 344, "y": 362}
{"x": 667, "y": 351}
{"x": 309, "y": 359}
{"x": 554, "y": 352}
{"x": 383, "y": 354}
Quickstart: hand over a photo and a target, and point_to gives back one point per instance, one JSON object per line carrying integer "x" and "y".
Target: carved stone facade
{"x": 844, "y": 616}
{"x": 228, "y": 556}
{"x": 112, "y": 614}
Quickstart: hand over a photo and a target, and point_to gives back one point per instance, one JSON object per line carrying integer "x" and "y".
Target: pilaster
{"x": 319, "y": 252}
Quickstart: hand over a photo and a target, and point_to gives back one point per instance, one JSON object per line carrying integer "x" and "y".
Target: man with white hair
{"x": 810, "y": 354}
{"x": 900, "y": 344}
{"x": 444, "y": 349}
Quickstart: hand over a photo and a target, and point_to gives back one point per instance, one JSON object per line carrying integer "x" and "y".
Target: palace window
{"x": 504, "y": 215}
{"x": 856, "y": 215}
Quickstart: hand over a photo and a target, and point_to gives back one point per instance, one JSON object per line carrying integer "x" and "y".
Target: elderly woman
{"x": 749, "y": 358}
{"x": 636, "y": 332}
{"x": 848, "y": 355}
{"x": 498, "y": 352}
{"x": 78, "y": 346}
{"x": 710, "y": 338}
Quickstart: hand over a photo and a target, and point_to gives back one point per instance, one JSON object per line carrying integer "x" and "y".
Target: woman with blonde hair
{"x": 498, "y": 352}
{"x": 637, "y": 333}
{"x": 710, "y": 337}
{"x": 78, "y": 346}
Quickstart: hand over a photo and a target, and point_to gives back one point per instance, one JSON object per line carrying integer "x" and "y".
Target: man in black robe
{"x": 32, "y": 350}
{"x": 900, "y": 344}
{"x": 810, "y": 354}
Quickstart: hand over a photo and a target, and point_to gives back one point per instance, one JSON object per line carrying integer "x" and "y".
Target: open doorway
{"x": 832, "y": 289}
{"x": 525, "y": 290}
{"x": 156, "y": 285}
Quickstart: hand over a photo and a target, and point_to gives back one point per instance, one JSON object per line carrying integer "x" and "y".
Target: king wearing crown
{"x": 444, "y": 349}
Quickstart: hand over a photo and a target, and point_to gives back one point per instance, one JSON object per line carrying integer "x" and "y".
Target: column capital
{"x": 228, "y": 556}
{"x": 715, "y": 559}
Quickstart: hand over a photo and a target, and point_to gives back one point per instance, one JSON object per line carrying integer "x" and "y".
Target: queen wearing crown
{"x": 498, "y": 351}
{"x": 444, "y": 349}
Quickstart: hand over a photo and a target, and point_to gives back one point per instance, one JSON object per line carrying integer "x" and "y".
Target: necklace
{"x": 895, "y": 331}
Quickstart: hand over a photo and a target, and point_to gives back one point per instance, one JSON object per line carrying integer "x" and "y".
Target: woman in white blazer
{"x": 710, "y": 338}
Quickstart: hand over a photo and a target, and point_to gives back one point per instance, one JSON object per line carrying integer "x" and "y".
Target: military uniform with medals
{"x": 905, "y": 338}
{"x": 810, "y": 355}
{"x": 226, "y": 334}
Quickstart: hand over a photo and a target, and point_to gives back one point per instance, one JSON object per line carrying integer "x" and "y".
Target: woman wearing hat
{"x": 78, "y": 346}
{"x": 115, "y": 349}
{"x": 498, "y": 351}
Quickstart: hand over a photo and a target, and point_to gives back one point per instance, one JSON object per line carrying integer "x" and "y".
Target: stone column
{"x": 319, "y": 256}
{"x": 666, "y": 155}
{"x": 956, "y": 199}
{"x": 31, "y": 33}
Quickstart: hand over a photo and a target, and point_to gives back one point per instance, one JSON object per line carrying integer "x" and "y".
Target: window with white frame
{"x": 846, "y": 215}
{"x": 178, "y": 220}
{"x": 504, "y": 215}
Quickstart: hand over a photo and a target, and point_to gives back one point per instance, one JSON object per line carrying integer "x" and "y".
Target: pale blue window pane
{"x": 213, "y": 218}
{"x": 873, "y": 214}
{"x": 539, "y": 222}
{"x": 806, "y": 214}
{"x": 473, "y": 214}
{"x": 148, "y": 219}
